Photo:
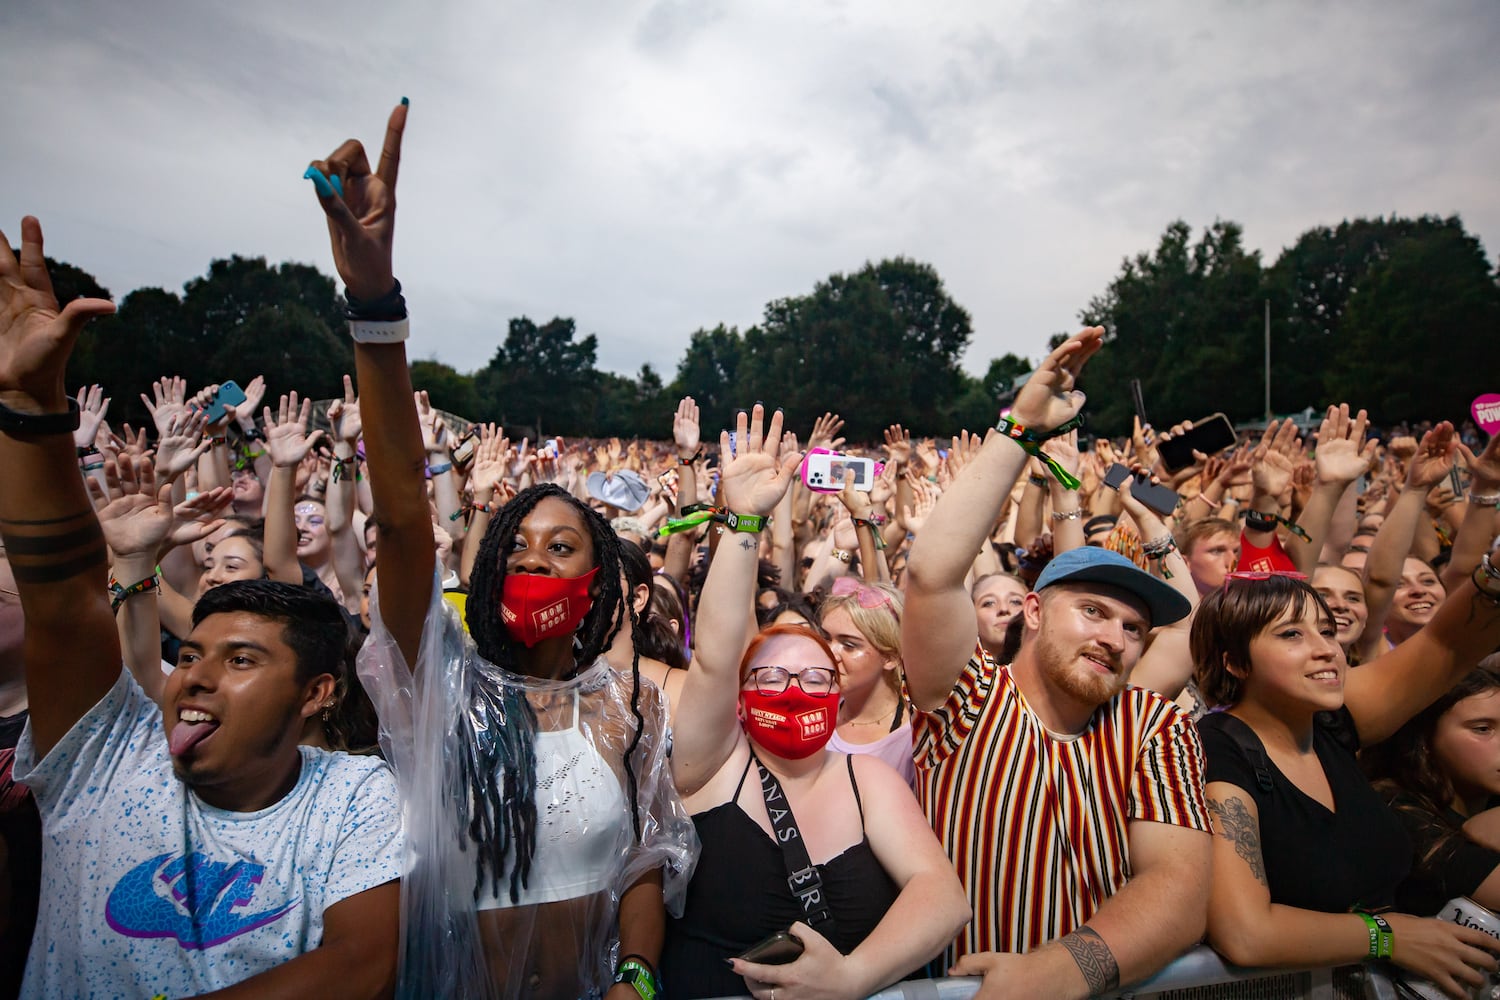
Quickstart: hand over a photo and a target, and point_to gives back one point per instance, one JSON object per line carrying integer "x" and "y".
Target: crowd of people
{"x": 394, "y": 706}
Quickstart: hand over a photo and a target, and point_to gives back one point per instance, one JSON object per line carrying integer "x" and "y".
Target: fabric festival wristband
{"x": 369, "y": 331}
{"x": 874, "y": 526}
{"x": 390, "y": 306}
{"x": 440, "y": 468}
{"x": 692, "y": 516}
{"x": 741, "y": 522}
{"x": 1031, "y": 443}
{"x": 1259, "y": 520}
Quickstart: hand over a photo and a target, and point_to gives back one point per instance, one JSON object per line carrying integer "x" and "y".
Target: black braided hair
{"x": 499, "y": 764}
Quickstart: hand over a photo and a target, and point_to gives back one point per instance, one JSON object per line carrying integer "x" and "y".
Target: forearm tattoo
{"x": 747, "y": 543}
{"x": 1095, "y": 960}
{"x": 1235, "y": 824}
{"x": 38, "y": 556}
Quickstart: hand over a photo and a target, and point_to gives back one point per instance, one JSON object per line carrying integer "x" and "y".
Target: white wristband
{"x": 369, "y": 331}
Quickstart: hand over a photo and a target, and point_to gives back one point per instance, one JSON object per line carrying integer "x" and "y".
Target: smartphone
{"x": 1139, "y": 400}
{"x": 229, "y": 394}
{"x": 462, "y": 452}
{"x": 553, "y": 445}
{"x": 734, "y": 441}
{"x": 823, "y": 471}
{"x": 1210, "y": 435}
{"x": 1159, "y": 498}
{"x": 778, "y": 949}
{"x": 668, "y": 481}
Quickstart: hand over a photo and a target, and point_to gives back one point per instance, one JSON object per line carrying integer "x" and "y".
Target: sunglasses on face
{"x": 812, "y": 680}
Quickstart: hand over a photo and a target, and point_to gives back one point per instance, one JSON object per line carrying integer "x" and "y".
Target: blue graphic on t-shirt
{"x": 206, "y": 905}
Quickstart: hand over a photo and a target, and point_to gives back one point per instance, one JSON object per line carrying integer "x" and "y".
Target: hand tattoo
{"x": 1235, "y": 824}
{"x": 1095, "y": 960}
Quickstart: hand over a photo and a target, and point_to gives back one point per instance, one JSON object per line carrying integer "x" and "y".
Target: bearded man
{"x": 1070, "y": 802}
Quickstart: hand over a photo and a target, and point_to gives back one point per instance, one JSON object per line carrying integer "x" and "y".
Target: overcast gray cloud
{"x": 654, "y": 167}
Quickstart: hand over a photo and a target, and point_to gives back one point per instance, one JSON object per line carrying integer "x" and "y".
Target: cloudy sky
{"x": 650, "y": 167}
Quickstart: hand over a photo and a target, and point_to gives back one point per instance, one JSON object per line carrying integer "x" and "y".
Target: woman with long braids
{"x": 544, "y": 833}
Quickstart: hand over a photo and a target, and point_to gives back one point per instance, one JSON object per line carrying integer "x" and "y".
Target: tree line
{"x": 1401, "y": 316}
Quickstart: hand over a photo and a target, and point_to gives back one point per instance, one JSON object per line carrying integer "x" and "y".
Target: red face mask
{"x": 792, "y": 724}
{"x": 535, "y": 607}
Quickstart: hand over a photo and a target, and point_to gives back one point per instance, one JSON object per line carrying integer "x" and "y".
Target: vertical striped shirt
{"x": 1036, "y": 825}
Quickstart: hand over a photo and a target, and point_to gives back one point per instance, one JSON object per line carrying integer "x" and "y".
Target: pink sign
{"x": 1486, "y": 410}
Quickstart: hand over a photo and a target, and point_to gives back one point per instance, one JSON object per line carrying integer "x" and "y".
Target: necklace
{"x": 875, "y": 722}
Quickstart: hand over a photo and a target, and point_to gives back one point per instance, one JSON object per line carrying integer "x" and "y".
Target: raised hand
{"x": 964, "y": 448}
{"x": 35, "y": 336}
{"x": 825, "y": 432}
{"x": 1343, "y": 455}
{"x": 754, "y": 479}
{"x": 1271, "y": 470}
{"x": 343, "y": 415}
{"x": 686, "y": 428}
{"x": 168, "y": 398}
{"x": 255, "y": 392}
{"x": 92, "y": 405}
{"x": 1049, "y": 398}
{"x": 897, "y": 446}
{"x": 1433, "y": 458}
{"x": 1064, "y": 448}
{"x": 181, "y": 443}
{"x": 924, "y": 498}
{"x": 491, "y": 457}
{"x": 361, "y": 209}
{"x": 137, "y": 516}
{"x": 1483, "y": 468}
{"x": 287, "y": 439}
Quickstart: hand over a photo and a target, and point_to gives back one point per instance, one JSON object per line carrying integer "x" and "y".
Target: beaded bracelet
{"x": 1068, "y": 515}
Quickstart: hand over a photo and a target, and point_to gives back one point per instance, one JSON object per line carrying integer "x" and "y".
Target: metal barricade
{"x": 1199, "y": 974}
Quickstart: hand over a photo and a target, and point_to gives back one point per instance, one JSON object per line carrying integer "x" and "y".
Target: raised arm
{"x": 361, "y": 215}
{"x": 939, "y": 630}
{"x": 348, "y": 553}
{"x": 288, "y": 443}
{"x": 1428, "y": 465}
{"x": 1167, "y": 663}
{"x": 1477, "y": 531}
{"x": 1342, "y": 457}
{"x": 751, "y": 482}
{"x": 1383, "y": 694}
{"x": 56, "y": 550}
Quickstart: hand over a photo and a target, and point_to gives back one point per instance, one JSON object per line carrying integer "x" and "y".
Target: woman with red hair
{"x": 876, "y": 897}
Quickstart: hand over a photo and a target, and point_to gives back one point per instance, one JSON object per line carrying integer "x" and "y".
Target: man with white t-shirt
{"x": 191, "y": 847}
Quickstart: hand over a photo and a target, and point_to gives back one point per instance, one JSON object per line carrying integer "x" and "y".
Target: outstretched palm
{"x": 35, "y": 336}
{"x": 754, "y": 479}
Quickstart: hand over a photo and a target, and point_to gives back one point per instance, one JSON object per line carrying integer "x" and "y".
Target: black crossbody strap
{"x": 1254, "y": 750}
{"x": 803, "y": 879}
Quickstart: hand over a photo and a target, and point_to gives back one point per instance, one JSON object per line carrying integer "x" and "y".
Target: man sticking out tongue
{"x": 190, "y": 847}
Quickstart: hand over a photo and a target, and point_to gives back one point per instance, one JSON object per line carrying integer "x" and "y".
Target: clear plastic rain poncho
{"x": 463, "y": 935}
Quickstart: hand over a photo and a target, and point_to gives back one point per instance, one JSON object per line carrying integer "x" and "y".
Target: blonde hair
{"x": 880, "y": 625}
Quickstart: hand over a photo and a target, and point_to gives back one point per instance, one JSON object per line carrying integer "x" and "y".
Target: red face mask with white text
{"x": 534, "y": 607}
{"x": 793, "y": 724}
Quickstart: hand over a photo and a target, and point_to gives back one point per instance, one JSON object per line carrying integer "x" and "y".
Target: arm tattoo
{"x": 747, "y": 543}
{"x": 1095, "y": 960}
{"x": 1236, "y": 825}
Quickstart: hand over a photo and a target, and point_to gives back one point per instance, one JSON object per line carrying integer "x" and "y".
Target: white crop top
{"x": 582, "y": 826}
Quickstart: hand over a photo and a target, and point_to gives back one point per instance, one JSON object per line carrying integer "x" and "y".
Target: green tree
{"x": 878, "y": 346}
{"x": 446, "y": 387}
{"x": 291, "y": 346}
{"x": 710, "y": 372}
{"x": 541, "y": 380}
{"x": 1185, "y": 320}
{"x": 1420, "y": 334}
{"x": 127, "y": 351}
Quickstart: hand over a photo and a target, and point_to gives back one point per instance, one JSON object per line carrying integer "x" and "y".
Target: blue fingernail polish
{"x": 320, "y": 183}
{"x": 338, "y": 185}
{"x": 405, "y": 103}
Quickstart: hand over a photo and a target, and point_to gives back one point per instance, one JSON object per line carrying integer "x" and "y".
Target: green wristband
{"x": 1381, "y": 936}
{"x": 743, "y": 522}
{"x": 639, "y": 976}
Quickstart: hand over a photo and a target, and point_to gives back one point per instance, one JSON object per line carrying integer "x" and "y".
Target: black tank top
{"x": 739, "y": 895}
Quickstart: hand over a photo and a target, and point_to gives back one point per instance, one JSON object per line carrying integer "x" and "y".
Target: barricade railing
{"x": 1199, "y": 974}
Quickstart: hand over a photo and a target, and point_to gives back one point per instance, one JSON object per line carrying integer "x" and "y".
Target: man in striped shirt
{"x": 1071, "y": 804}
